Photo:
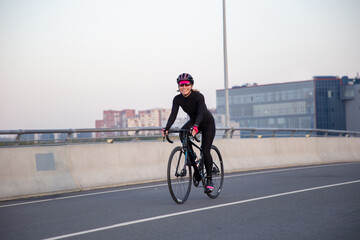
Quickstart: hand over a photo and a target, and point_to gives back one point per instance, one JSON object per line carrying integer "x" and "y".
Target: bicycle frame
{"x": 178, "y": 177}
{"x": 186, "y": 150}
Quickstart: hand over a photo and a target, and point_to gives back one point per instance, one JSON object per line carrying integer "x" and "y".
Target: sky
{"x": 62, "y": 62}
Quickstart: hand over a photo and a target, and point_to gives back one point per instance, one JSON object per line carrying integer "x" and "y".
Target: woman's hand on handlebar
{"x": 164, "y": 132}
{"x": 194, "y": 130}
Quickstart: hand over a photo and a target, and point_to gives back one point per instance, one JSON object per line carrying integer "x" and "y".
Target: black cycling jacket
{"x": 194, "y": 105}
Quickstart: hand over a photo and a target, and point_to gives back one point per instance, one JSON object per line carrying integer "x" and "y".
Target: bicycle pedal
{"x": 183, "y": 173}
{"x": 196, "y": 183}
{"x": 215, "y": 171}
{"x": 207, "y": 190}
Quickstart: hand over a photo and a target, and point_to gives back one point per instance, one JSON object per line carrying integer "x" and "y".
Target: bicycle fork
{"x": 183, "y": 170}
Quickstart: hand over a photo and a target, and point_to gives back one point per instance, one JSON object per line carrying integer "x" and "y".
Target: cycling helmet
{"x": 185, "y": 77}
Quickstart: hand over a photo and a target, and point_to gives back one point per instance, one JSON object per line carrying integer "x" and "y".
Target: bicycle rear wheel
{"x": 178, "y": 176}
{"x": 217, "y": 172}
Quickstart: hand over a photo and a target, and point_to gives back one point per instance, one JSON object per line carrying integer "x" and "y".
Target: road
{"x": 308, "y": 202}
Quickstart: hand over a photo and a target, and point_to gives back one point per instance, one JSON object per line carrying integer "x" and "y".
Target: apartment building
{"x": 156, "y": 117}
{"x": 114, "y": 119}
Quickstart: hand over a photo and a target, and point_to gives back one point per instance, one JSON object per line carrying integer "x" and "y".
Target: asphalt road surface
{"x": 308, "y": 202}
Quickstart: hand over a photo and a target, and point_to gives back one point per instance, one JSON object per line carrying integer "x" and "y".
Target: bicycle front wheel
{"x": 178, "y": 176}
{"x": 217, "y": 172}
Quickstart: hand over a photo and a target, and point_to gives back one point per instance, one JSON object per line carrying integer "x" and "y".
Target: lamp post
{"x": 227, "y": 114}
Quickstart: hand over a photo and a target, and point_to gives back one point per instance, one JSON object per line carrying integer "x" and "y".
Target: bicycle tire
{"x": 179, "y": 176}
{"x": 218, "y": 172}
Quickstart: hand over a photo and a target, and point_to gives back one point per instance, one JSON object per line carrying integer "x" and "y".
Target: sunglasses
{"x": 185, "y": 84}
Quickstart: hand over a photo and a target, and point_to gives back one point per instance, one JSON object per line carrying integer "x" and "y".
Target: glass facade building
{"x": 350, "y": 93}
{"x": 330, "y": 108}
{"x": 313, "y": 103}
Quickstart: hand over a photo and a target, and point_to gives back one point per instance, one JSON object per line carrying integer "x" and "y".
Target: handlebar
{"x": 168, "y": 139}
{"x": 186, "y": 131}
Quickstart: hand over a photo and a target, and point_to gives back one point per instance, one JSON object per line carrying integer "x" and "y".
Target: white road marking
{"x": 165, "y": 184}
{"x": 290, "y": 169}
{"x": 84, "y": 195}
{"x": 198, "y": 210}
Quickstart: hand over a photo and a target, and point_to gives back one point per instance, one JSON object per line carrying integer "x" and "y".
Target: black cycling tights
{"x": 208, "y": 135}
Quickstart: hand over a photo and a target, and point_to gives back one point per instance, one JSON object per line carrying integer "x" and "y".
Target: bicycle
{"x": 179, "y": 172}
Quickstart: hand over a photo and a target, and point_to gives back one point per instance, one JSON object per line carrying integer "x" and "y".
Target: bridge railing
{"x": 72, "y": 136}
{"x": 285, "y": 132}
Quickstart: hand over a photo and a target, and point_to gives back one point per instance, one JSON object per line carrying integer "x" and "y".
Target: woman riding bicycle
{"x": 193, "y": 103}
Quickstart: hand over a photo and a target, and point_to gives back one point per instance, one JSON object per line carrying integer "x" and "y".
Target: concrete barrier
{"x": 22, "y": 173}
{"x": 123, "y": 163}
{"x": 355, "y": 147}
{"x": 28, "y": 171}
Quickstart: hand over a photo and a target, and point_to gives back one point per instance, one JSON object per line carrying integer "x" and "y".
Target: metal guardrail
{"x": 134, "y": 134}
{"x": 307, "y": 132}
{"x": 128, "y": 134}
